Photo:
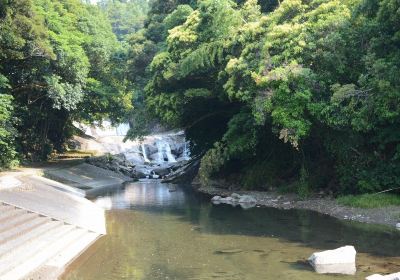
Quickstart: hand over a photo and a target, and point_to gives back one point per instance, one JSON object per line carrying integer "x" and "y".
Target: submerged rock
{"x": 394, "y": 276}
{"x": 172, "y": 188}
{"x": 247, "y": 205}
{"x": 341, "y": 260}
{"x": 139, "y": 174}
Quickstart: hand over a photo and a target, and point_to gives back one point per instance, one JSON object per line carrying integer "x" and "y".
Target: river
{"x": 157, "y": 234}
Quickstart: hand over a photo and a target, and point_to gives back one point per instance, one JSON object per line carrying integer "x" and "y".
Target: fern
{"x": 208, "y": 55}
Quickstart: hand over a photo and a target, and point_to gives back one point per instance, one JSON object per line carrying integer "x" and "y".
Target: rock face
{"x": 341, "y": 260}
{"x": 116, "y": 163}
{"x": 394, "y": 276}
{"x": 183, "y": 171}
{"x": 245, "y": 201}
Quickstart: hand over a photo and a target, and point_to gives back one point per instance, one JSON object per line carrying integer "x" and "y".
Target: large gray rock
{"x": 247, "y": 199}
{"x": 236, "y": 196}
{"x": 341, "y": 260}
{"x": 162, "y": 171}
{"x": 134, "y": 157}
{"x": 139, "y": 174}
{"x": 116, "y": 163}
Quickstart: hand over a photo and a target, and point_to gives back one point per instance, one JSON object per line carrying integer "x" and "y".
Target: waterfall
{"x": 186, "y": 152}
{"x": 164, "y": 152}
{"x": 144, "y": 152}
{"x": 171, "y": 158}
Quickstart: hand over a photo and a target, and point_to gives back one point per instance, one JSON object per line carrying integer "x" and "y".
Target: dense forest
{"x": 61, "y": 61}
{"x": 296, "y": 94}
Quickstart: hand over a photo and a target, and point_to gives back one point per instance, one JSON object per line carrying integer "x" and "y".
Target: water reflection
{"x": 158, "y": 234}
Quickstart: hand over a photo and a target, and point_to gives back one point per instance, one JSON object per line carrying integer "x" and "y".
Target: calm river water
{"x": 156, "y": 234}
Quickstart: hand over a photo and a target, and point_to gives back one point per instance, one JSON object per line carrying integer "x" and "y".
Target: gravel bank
{"x": 325, "y": 205}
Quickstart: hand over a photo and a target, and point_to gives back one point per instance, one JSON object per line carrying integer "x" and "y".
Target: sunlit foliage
{"x": 319, "y": 76}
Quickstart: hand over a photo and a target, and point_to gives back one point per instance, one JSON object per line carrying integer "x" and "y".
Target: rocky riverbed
{"x": 325, "y": 205}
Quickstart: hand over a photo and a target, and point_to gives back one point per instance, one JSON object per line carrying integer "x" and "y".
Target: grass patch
{"x": 369, "y": 200}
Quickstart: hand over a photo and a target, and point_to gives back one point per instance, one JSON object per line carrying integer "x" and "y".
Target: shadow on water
{"x": 308, "y": 228}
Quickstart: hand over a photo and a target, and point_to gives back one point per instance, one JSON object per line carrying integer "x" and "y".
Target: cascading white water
{"x": 186, "y": 152}
{"x": 164, "y": 152}
{"x": 159, "y": 149}
{"x": 170, "y": 157}
{"x": 144, "y": 152}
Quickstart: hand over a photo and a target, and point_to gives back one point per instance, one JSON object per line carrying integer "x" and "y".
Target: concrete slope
{"x": 33, "y": 246}
{"x": 91, "y": 180}
{"x": 55, "y": 200}
{"x": 44, "y": 225}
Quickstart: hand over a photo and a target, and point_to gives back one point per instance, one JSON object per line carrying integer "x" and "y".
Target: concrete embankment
{"x": 45, "y": 224}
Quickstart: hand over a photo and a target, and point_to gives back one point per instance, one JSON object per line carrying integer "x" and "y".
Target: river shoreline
{"x": 389, "y": 216}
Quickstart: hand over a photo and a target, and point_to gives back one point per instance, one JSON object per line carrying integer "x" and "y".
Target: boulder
{"x": 236, "y": 196}
{"x": 339, "y": 268}
{"x": 142, "y": 169}
{"x": 346, "y": 254}
{"x": 247, "y": 199}
{"x": 394, "y": 276}
{"x": 134, "y": 157}
{"x": 341, "y": 260}
{"x": 162, "y": 171}
{"x": 398, "y": 226}
{"x": 152, "y": 148}
{"x": 227, "y": 199}
{"x": 139, "y": 174}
